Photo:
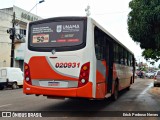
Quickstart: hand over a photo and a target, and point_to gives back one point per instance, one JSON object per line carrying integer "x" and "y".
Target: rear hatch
{"x": 59, "y": 72}
{"x": 58, "y": 36}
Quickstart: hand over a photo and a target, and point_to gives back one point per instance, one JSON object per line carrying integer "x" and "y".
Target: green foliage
{"x": 151, "y": 54}
{"x": 144, "y": 26}
{"x": 143, "y": 69}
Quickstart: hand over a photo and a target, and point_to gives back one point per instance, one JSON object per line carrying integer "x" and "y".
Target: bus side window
{"x": 128, "y": 57}
{"x": 116, "y": 54}
{"x": 125, "y": 57}
{"x": 130, "y": 60}
{"x": 121, "y": 58}
{"x": 97, "y": 51}
{"x": 133, "y": 61}
{"x": 99, "y": 44}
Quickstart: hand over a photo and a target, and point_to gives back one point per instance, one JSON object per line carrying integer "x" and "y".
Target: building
{"x": 22, "y": 17}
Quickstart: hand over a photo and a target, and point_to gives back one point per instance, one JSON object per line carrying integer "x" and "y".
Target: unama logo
{"x": 59, "y": 28}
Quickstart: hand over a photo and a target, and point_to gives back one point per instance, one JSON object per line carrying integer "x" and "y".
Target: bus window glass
{"x": 130, "y": 60}
{"x": 99, "y": 44}
{"x": 56, "y": 34}
{"x": 116, "y": 55}
{"x": 125, "y": 57}
{"x": 121, "y": 55}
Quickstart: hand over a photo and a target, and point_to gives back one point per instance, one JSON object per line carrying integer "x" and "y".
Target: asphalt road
{"x": 140, "y": 97}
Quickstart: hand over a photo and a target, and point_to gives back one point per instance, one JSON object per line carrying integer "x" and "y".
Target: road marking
{"x": 5, "y": 105}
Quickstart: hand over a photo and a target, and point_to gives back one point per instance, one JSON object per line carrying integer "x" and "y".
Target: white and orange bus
{"x": 75, "y": 57}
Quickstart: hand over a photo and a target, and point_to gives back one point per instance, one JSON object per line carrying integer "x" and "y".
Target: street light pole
{"x": 12, "y": 32}
{"x": 41, "y": 1}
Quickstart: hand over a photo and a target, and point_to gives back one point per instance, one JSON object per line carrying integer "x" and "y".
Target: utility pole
{"x": 12, "y": 32}
{"x": 12, "y": 36}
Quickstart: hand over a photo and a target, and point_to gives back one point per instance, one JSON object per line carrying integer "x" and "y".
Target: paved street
{"x": 142, "y": 96}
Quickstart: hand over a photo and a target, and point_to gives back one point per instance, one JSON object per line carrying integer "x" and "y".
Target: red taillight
{"x": 84, "y": 74}
{"x": 155, "y": 77}
{"x": 27, "y": 73}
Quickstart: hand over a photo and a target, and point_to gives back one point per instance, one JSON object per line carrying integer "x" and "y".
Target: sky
{"x": 111, "y": 14}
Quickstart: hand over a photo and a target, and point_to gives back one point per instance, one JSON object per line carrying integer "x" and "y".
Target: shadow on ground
{"x": 80, "y": 107}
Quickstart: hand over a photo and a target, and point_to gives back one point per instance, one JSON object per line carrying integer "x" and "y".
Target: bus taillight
{"x": 84, "y": 74}
{"x": 27, "y": 73}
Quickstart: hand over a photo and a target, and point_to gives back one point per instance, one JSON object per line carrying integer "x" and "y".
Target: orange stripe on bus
{"x": 85, "y": 91}
{"x": 40, "y": 69}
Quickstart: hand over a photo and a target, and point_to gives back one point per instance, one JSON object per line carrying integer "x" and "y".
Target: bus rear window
{"x": 56, "y": 34}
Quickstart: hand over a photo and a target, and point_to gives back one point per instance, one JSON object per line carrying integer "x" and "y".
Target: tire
{"x": 20, "y": 86}
{"x": 14, "y": 85}
{"x": 128, "y": 88}
{"x": 1, "y": 87}
{"x": 155, "y": 85}
{"x": 115, "y": 94}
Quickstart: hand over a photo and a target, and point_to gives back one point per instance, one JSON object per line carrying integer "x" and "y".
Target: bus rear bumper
{"x": 84, "y": 91}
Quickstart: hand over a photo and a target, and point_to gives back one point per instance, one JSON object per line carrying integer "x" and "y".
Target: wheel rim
{"x": 14, "y": 86}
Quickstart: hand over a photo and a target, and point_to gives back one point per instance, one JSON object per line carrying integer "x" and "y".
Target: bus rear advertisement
{"x": 75, "y": 57}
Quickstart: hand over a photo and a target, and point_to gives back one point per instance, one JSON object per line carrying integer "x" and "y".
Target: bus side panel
{"x": 115, "y": 71}
{"x": 101, "y": 85}
{"x": 115, "y": 76}
{"x": 123, "y": 74}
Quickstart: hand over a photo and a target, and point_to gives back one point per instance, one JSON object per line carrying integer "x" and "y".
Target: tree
{"x": 144, "y": 26}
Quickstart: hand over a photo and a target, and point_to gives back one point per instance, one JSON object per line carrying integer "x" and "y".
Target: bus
{"x": 75, "y": 57}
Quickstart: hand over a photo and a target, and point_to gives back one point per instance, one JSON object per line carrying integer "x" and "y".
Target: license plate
{"x": 56, "y": 84}
{"x": 53, "y": 84}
